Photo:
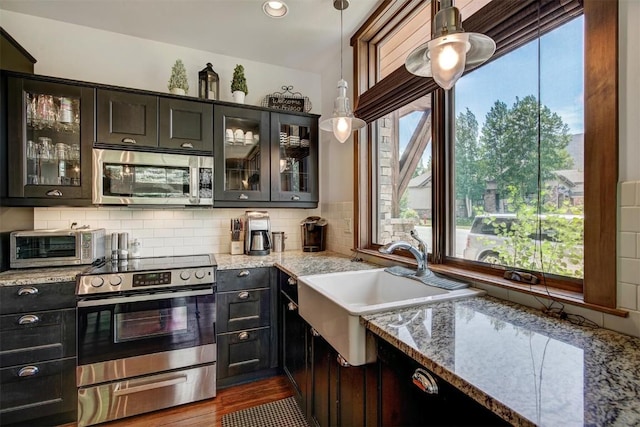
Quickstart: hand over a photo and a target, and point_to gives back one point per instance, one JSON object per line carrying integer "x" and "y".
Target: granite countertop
{"x": 33, "y": 276}
{"x": 526, "y": 367}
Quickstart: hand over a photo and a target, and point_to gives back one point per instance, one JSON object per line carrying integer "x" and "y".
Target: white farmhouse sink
{"x": 332, "y": 304}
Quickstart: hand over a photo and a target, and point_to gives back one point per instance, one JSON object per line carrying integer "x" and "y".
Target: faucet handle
{"x": 423, "y": 245}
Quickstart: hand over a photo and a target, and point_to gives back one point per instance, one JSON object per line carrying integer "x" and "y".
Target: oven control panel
{"x": 152, "y": 279}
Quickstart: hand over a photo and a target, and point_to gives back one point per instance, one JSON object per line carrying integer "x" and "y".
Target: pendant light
{"x": 342, "y": 123}
{"x": 450, "y": 51}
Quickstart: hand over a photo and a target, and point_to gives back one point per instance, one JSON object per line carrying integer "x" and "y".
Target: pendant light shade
{"x": 451, "y": 51}
{"x": 342, "y": 122}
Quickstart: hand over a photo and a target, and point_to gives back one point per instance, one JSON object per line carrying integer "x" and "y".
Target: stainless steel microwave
{"x": 143, "y": 178}
{"x": 52, "y": 248}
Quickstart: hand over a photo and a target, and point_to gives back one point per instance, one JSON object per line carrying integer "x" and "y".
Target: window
{"x": 457, "y": 200}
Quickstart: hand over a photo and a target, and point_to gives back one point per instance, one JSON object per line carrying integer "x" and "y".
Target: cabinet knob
{"x": 186, "y": 145}
{"x": 243, "y": 295}
{"x": 244, "y": 273}
{"x": 28, "y": 291}
{"x": 243, "y": 197}
{"x": 243, "y": 336}
{"x": 425, "y": 381}
{"x": 28, "y": 371}
{"x": 295, "y": 197}
{"x": 28, "y": 319}
{"x": 342, "y": 361}
{"x": 292, "y": 307}
{"x": 129, "y": 141}
{"x": 55, "y": 193}
{"x": 292, "y": 281}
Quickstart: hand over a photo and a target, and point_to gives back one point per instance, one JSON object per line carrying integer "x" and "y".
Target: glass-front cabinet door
{"x": 294, "y": 167}
{"x": 241, "y": 155}
{"x": 50, "y": 132}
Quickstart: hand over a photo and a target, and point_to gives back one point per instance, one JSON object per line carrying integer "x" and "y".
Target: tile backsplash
{"x": 165, "y": 232}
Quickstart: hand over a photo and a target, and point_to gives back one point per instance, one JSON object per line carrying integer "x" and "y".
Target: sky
{"x": 514, "y": 75}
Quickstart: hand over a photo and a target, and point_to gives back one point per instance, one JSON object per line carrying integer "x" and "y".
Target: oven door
{"x": 132, "y": 177}
{"x": 136, "y": 325}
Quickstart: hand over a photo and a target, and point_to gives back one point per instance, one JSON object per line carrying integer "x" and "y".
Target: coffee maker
{"x": 257, "y": 237}
{"x": 314, "y": 233}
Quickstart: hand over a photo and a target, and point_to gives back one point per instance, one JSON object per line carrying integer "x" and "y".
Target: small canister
{"x": 278, "y": 241}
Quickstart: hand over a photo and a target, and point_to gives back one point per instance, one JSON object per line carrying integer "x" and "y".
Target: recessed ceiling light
{"x": 275, "y": 9}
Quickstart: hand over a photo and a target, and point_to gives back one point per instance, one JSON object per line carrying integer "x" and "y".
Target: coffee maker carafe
{"x": 258, "y": 234}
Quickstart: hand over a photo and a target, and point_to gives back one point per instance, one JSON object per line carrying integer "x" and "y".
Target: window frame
{"x": 598, "y": 289}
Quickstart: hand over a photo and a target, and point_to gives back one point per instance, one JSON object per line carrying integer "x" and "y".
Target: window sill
{"x": 542, "y": 291}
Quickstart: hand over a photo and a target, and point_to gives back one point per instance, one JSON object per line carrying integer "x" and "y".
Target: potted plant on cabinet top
{"x": 178, "y": 84}
{"x": 239, "y": 85}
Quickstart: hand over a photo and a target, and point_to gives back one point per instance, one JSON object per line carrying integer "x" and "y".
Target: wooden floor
{"x": 209, "y": 412}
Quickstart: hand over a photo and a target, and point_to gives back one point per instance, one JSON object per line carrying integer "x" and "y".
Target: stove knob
{"x": 199, "y": 274}
{"x": 115, "y": 280}
{"x": 185, "y": 275}
{"x": 96, "y": 282}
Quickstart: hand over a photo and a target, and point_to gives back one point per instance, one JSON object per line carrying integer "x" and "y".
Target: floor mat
{"x": 281, "y": 413}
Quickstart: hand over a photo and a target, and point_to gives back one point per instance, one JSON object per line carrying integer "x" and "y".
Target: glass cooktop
{"x": 153, "y": 264}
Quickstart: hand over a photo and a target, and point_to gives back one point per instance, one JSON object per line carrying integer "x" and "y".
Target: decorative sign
{"x": 286, "y": 104}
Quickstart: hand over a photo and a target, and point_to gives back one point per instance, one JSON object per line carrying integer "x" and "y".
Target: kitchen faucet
{"x": 420, "y": 253}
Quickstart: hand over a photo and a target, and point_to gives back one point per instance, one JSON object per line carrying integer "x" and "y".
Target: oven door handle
{"x": 145, "y": 297}
{"x": 145, "y": 387}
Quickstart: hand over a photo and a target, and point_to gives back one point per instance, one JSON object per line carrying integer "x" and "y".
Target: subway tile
{"x": 529, "y": 300}
{"x": 141, "y": 214}
{"x": 627, "y": 296}
{"x": 163, "y": 251}
{"x": 629, "y": 271}
{"x": 156, "y": 242}
{"x": 119, "y": 214}
{"x": 629, "y": 325}
{"x": 98, "y": 214}
{"x": 638, "y": 245}
{"x": 40, "y": 224}
{"x": 188, "y": 232}
{"x": 637, "y": 193}
{"x": 183, "y": 214}
{"x": 628, "y": 247}
{"x": 174, "y": 242}
{"x": 46, "y": 214}
{"x": 163, "y": 214}
{"x": 142, "y": 233}
{"x": 630, "y": 219}
{"x": 163, "y": 232}
{"x": 111, "y": 224}
{"x": 133, "y": 224}
{"x": 628, "y": 194}
{"x": 58, "y": 224}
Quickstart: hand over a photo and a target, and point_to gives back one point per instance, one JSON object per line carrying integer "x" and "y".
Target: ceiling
{"x": 305, "y": 39}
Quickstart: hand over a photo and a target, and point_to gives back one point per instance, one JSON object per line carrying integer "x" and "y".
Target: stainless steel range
{"x": 146, "y": 336}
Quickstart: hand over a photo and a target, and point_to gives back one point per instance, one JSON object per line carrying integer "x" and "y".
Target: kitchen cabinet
{"x": 146, "y": 121}
{"x": 245, "y": 307}
{"x": 38, "y": 354}
{"x": 409, "y": 394}
{"x": 265, "y": 158}
{"x": 50, "y": 127}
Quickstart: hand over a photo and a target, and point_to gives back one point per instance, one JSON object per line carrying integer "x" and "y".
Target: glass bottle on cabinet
{"x": 50, "y": 132}
{"x": 294, "y": 168}
{"x": 241, "y": 155}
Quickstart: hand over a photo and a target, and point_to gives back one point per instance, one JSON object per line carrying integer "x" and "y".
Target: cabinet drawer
{"x": 246, "y": 278}
{"x": 243, "y": 352}
{"x": 37, "y": 336}
{"x": 45, "y": 389}
{"x": 239, "y": 310}
{"x": 42, "y": 296}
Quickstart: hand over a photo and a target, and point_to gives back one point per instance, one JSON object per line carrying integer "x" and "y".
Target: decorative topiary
{"x": 179, "y": 77}
{"x": 239, "y": 82}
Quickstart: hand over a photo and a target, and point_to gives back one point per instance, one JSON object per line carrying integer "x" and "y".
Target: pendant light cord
{"x": 341, "y": 54}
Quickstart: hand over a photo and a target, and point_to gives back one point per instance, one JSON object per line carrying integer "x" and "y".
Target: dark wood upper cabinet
{"x": 186, "y": 125}
{"x": 127, "y": 118}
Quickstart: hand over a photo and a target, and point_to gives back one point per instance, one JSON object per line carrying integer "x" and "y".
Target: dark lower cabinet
{"x": 243, "y": 352}
{"x": 294, "y": 332}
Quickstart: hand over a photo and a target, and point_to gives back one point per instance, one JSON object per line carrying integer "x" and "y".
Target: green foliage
{"x": 178, "y": 77}
{"x": 239, "y": 82}
{"x": 409, "y": 213}
{"x": 551, "y": 243}
{"x": 469, "y": 183}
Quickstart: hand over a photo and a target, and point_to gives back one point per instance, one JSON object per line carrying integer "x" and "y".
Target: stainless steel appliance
{"x": 314, "y": 234}
{"x": 258, "y": 233}
{"x": 146, "y": 336}
{"x": 143, "y": 178}
{"x": 51, "y": 248}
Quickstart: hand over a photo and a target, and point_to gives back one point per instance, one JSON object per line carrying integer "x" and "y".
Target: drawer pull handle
{"x": 295, "y": 197}
{"x": 28, "y": 319}
{"x": 145, "y": 387}
{"x": 28, "y": 371}
{"x": 243, "y": 197}
{"x": 425, "y": 381}
{"x": 342, "y": 361}
{"x": 292, "y": 307}
{"x": 56, "y": 193}
{"x": 292, "y": 281}
{"x": 242, "y": 336}
{"x": 243, "y": 295}
{"x": 314, "y": 332}
{"x": 28, "y": 291}
{"x": 186, "y": 145}
{"x": 244, "y": 273}
{"x": 129, "y": 141}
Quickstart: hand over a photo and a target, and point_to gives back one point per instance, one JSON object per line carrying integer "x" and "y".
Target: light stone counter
{"x": 32, "y": 276}
{"x": 526, "y": 367}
